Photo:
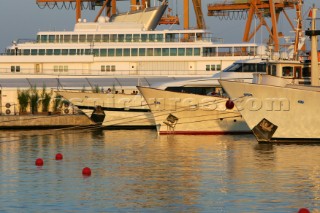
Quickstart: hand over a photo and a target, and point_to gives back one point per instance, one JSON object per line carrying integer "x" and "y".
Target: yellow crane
{"x": 110, "y": 6}
{"x": 262, "y": 9}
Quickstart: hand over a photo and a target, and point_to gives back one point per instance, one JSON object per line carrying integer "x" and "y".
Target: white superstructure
{"x": 126, "y": 44}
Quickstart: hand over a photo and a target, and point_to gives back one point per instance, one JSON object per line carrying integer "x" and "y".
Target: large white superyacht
{"x": 124, "y": 44}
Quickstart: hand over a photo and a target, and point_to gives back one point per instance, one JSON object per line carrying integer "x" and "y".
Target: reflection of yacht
{"x": 277, "y": 110}
{"x": 123, "y": 45}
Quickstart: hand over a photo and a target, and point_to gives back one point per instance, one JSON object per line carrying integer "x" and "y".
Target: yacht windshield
{"x": 246, "y": 67}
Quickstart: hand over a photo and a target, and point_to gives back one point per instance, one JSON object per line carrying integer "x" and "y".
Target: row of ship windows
{"x": 64, "y": 68}
{"x": 110, "y": 68}
{"x": 170, "y": 37}
{"x": 213, "y": 67}
{"x": 104, "y": 68}
{"x": 111, "y": 52}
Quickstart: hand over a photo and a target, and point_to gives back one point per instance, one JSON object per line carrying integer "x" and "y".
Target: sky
{"x": 22, "y": 19}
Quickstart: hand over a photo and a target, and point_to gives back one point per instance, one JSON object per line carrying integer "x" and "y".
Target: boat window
{"x": 239, "y": 51}
{"x": 57, "y": 52}
{"x": 128, "y": 37}
{"x": 149, "y": 51}
{"x": 74, "y": 38}
{"x": 49, "y": 52}
{"x": 90, "y": 38}
{"x": 82, "y": 38}
{"x": 108, "y": 68}
{"x": 213, "y": 67}
{"x": 17, "y": 68}
{"x": 64, "y": 51}
{"x": 111, "y": 52}
{"x": 103, "y": 52}
{"x": 51, "y": 38}
{"x": 218, "y": 67}
{"x": 136, "y": 37}
{"x": 306, "y": 72}
{"x": 165, "y": 51}
{"x": 144, "y": 37}
{"x": 189, "y": 51}
{"x": 196, "y": 51}
{"x": 207, "y": 67}
{"x": 42, "y": 52}
{"x": 105, "y": 38}
{"x": 38, "y": 38}
{"x": 297, "y": 72}
{"x": 142, "y": 51}
{"x": 87, "y": 51}
{"x": 152, "y": 37}
{"x": 118, "y": 52}
{"x": 26, "y": 52}
{"x": 173, "y": 51}
{"x": 113, "y": 68}
{"x": 134, "y": 52}
{"x": 192, "y": 90}
{"x": 181, "y": 51}
{"x": 126, "y": 52}
{"x": 103, "y": 68}
{"x": 13, "y": 68}
{"x": 159, "y": 38}
{"x": 121, "y": 38}
{"x": 273, "y": 70}
{"x": 56, "y": 39}
{"x": 113, "y": 38}
{"x": 55, "y": 68}
{"x": 287, "y": 71}
{"x": 61, "y": 38}
{"x": 209, "y": 51}
{"x": 66, "y": 38}
{"x": 225, "y": 51}
{"x": 44, "y": 38}
{"x": 169, "y": 37}
{"x": 157, "y": 51}
{"x": 34, "y": 52}
{"x": 72, "y": 51}
{"x": 12, "y": 52}
{"x": 97, "y": 38}
{"x": 95, "y": 52}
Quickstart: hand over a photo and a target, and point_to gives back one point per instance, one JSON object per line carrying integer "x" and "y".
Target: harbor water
{"x": 139, "y": 171}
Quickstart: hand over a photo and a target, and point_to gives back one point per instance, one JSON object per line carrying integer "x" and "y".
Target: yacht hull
{"x": 182, "y": 113}
{"x": 121, "y": 111}
{"x": 277, "y": 114}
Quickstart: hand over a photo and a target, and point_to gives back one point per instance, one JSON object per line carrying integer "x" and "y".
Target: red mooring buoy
{"x": 303, "y": 210}
{"x": 86, "y": 171}
{"x": 229, "y": 104}
{"x": 59, "y": 156}
{"x": 39, "y": 162}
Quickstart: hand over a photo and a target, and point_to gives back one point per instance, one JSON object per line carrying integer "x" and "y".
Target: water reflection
{"x": 140, "y": 171}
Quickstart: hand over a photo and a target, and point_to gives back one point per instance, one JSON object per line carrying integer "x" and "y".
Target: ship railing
{"x": 23, "y": 41}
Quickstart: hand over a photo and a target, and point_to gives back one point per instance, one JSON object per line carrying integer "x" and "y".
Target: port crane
{"x": 261, "y": 9}
{"x": 110, "y": 6}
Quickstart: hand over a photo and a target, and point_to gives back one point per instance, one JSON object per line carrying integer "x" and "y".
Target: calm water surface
{"x": 138, "y": 171}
